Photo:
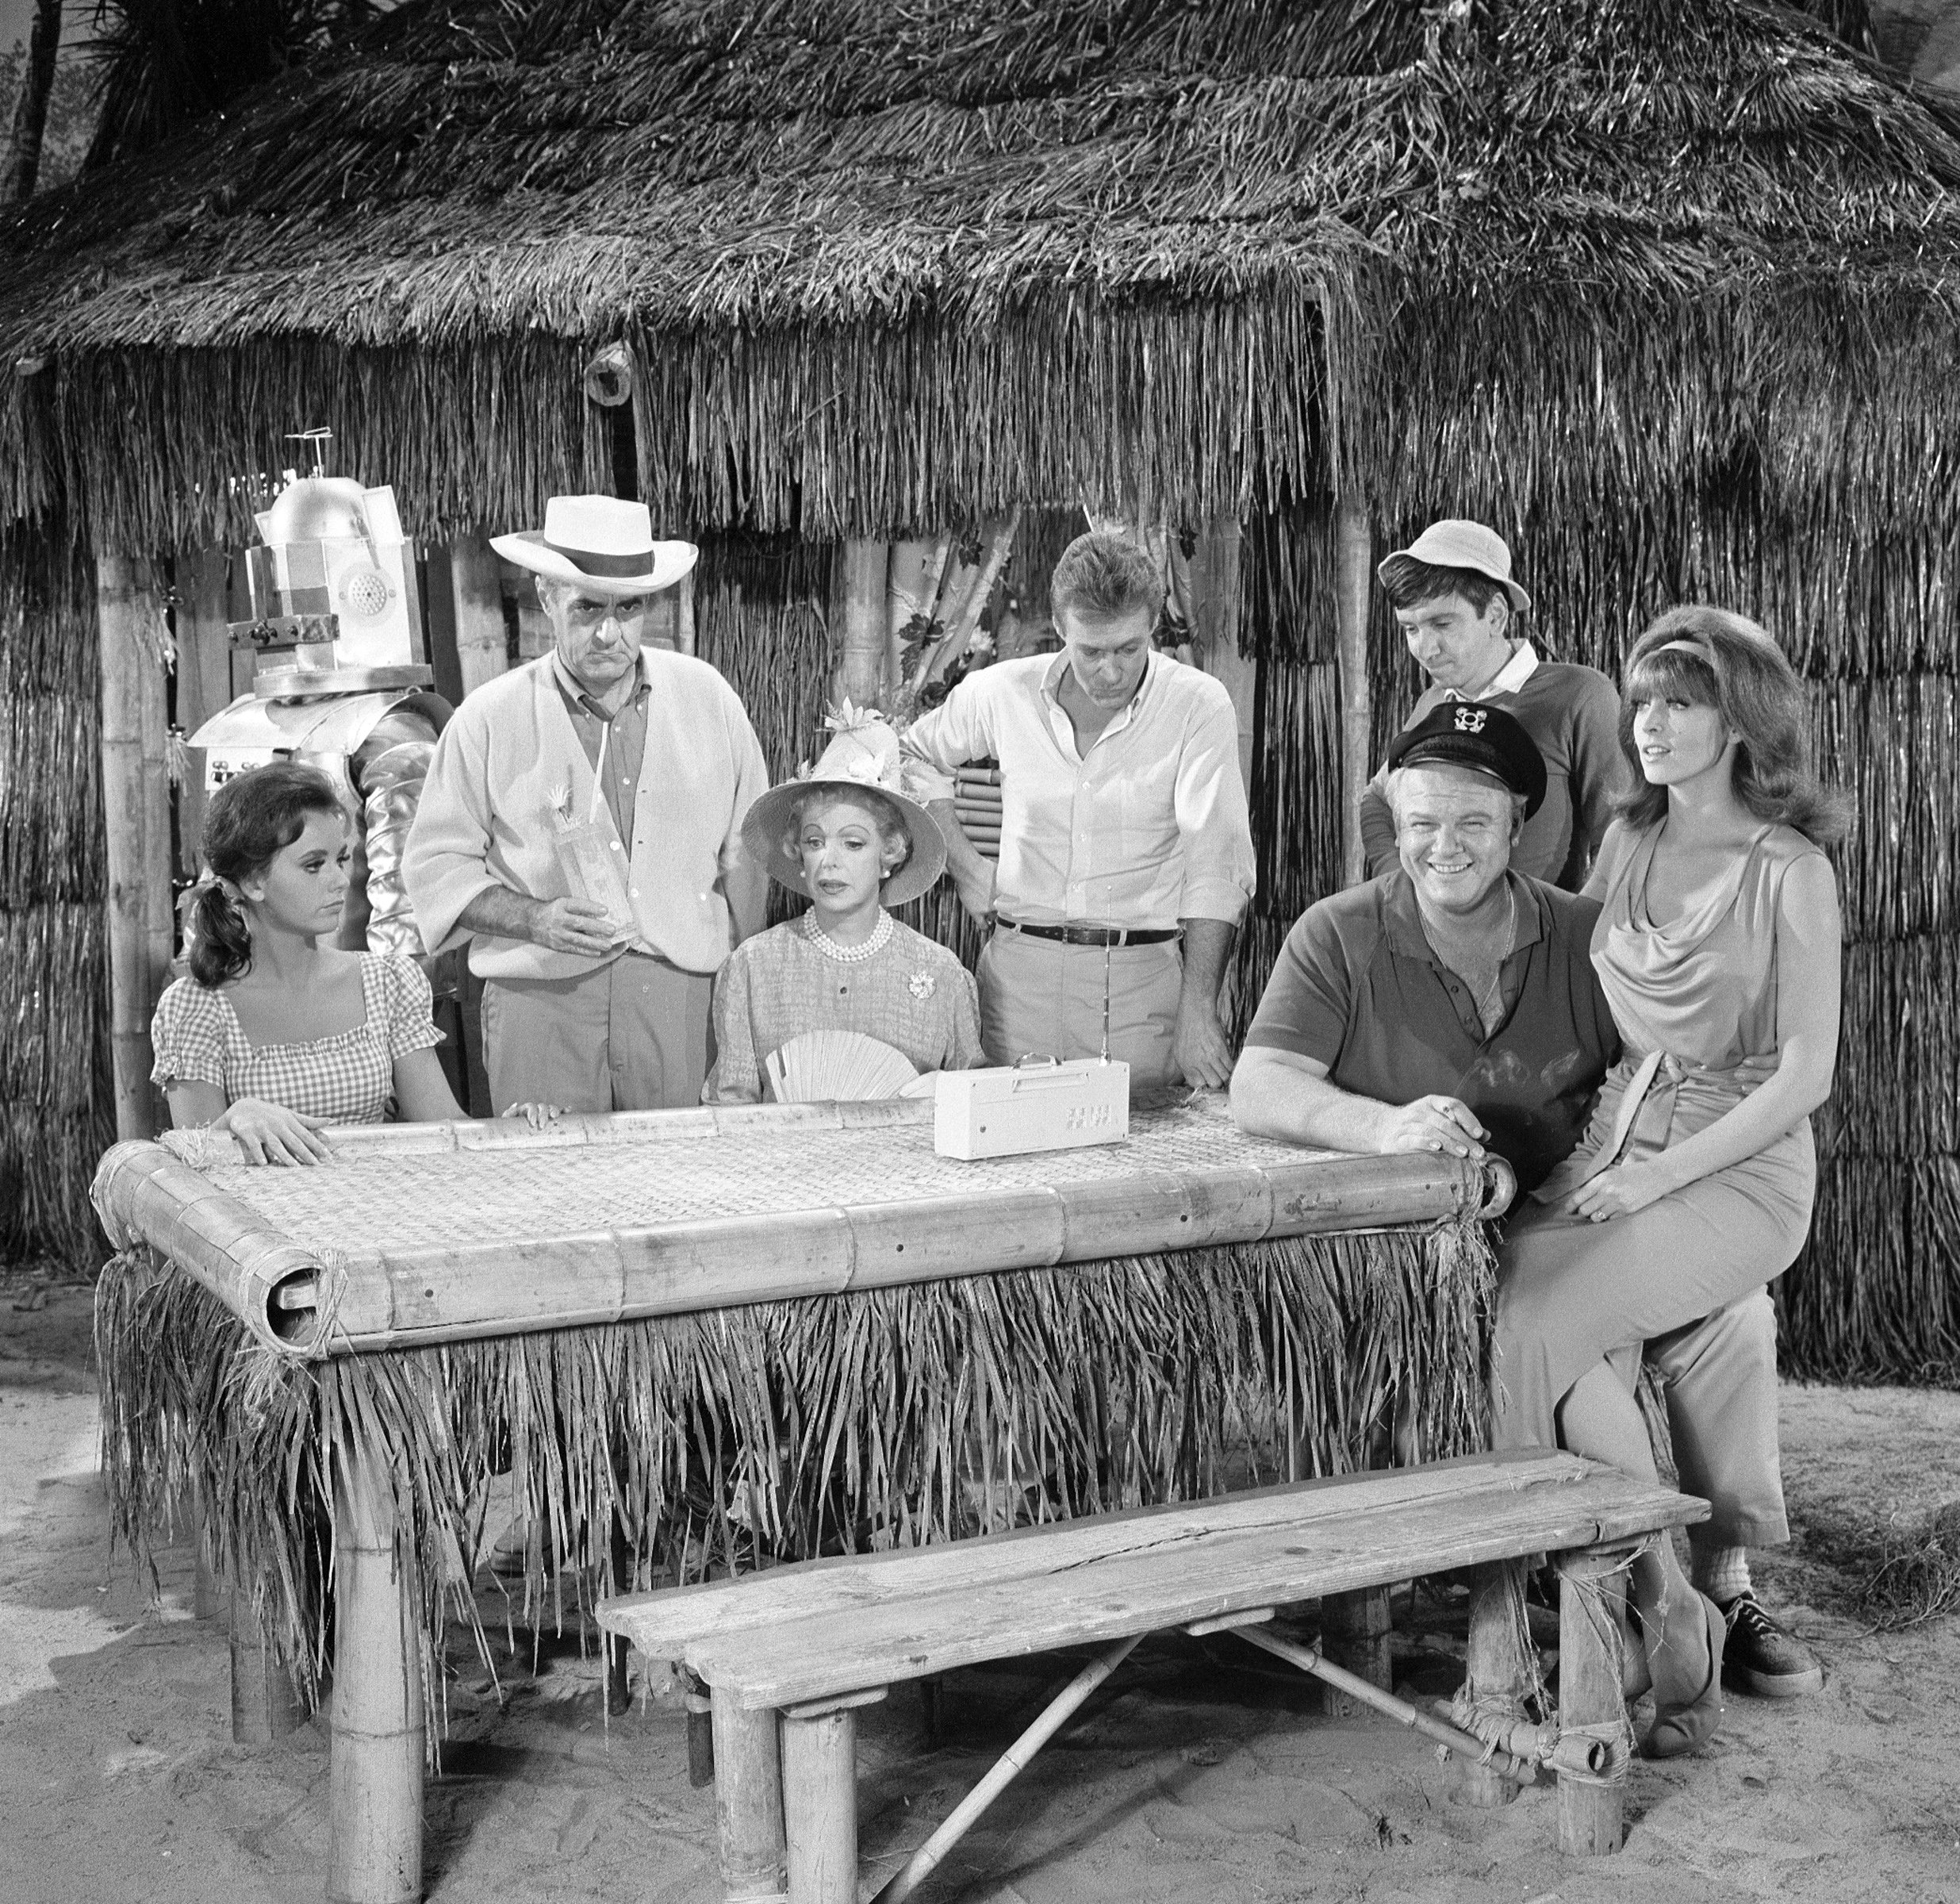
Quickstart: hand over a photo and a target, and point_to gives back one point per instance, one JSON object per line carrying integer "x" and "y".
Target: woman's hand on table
{"x": 538, "y": 1116}
{"x": 273, "y": 1134}
{"x": 1618, "y": 1192}
{"x": 1446, "y": 1125}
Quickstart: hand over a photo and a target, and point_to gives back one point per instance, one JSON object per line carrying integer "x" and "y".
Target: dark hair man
{"x": 1455, "y": 601}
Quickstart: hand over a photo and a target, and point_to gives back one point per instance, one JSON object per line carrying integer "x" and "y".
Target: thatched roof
{"x": 896, "y": 262}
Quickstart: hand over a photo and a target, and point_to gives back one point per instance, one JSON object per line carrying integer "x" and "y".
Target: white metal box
{"x": 1008, "y": 1109}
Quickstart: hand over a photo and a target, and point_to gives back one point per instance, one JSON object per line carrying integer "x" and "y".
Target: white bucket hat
{"x": 863, "y": 753}
{"x": 603, "y": 544}
{"x": 1454, "y": 543}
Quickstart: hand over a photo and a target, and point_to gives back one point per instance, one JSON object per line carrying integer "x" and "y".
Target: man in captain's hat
{"x": 1451, "y": 1005}
{"x": 1457, "y": 605}
{"x": 580, "y": 828}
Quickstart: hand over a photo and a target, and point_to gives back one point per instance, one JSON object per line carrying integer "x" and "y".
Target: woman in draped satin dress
{"x": 1718, "y": 947}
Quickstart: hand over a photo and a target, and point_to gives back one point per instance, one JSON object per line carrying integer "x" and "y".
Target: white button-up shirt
{"x": 1149, "y": 826}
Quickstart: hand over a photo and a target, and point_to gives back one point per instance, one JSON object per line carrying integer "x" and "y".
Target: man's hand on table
{"x": 1443, "y": 1124}
{"x": 1198, "y": 1049}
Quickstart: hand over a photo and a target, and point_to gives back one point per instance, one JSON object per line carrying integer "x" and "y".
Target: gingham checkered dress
{"x": 348, "y": 1078}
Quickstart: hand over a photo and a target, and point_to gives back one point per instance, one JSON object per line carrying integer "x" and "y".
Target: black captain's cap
{"x": 1486, "y": 739}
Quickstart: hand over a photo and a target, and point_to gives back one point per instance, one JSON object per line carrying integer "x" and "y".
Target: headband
{"x": 1690, "y": 644}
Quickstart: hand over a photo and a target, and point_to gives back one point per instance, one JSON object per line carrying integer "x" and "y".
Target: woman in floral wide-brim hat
{"x": 846, "y": 834}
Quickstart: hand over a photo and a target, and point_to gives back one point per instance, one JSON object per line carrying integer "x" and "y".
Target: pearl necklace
{"x": 848, "y": 955}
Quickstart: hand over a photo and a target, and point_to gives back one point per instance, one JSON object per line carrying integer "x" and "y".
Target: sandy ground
{"x": 1197, "y": 1773}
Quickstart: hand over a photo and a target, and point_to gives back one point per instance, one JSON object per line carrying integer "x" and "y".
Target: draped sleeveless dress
{"x": 1695, "y": 1002}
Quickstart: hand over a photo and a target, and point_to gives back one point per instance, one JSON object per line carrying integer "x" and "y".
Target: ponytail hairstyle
{"x": 252, "y": 819}
{"x": 1725, "y": 661}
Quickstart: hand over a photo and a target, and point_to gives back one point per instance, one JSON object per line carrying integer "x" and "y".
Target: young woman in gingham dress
{"x": 276, "y": 1033}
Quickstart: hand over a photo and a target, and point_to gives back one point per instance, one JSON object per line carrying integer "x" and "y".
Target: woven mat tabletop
{"x": 369, "y": 1199}
{"x": 429, "y": 1232}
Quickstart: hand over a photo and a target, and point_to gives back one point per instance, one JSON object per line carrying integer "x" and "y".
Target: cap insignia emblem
{"x": 1470, "y": 720}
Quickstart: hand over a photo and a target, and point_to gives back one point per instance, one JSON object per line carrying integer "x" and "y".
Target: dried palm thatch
{"x": 53, "y": 1099}
{"x": 890, "y": 265}
{"x": 903, "y": 1414}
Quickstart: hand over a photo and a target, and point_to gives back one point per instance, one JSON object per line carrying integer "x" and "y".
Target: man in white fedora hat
{"x": 581, "y": 829}
{"x": 1455, "y": 601}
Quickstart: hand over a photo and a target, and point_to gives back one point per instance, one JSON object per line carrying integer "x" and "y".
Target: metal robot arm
{"x": 388, "y": 770}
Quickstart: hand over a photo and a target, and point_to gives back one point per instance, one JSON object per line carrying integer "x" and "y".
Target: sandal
{"x": 1681, "y": 1730}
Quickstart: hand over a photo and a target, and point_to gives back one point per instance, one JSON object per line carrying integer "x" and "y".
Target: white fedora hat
{"x": 603, "y": 544}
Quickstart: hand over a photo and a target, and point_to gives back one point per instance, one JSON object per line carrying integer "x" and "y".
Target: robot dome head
{"x": 318, "y": 508}
{"x": 331, "y": 546}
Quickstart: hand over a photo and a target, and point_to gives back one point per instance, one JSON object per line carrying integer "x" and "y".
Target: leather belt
{"x": 1092, "y": 935}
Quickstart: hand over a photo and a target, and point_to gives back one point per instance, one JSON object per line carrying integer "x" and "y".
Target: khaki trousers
{"x": 1719, "y": 1376}
{"x": 629, "y": 1035}
{"x": 1039, "y": 996}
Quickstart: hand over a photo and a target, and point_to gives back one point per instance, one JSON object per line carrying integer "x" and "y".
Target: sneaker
{"x": 1760, "y": 1657}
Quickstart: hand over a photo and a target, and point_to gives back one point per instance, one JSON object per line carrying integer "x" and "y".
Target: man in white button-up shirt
{"x": 1126, "y": 850}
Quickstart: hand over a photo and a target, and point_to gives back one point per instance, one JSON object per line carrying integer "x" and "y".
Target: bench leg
{"x": 1494, "y": 1675}
{"x": 820, "y": 1806}
{"x": 1589, "y": 1695}
{"x": 748, "y": 1801}
{"x": 375, "y": 1767}
{"x": 1354, "y": 1634}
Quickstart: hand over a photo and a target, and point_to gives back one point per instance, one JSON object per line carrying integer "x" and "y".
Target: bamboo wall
{"x": 1872, "y": 626}
{"x": 56, "y": 1109}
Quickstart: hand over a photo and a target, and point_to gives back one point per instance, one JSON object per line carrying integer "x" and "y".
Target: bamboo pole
{"x": 374, "y": 1777}
{"x": 685, "y": 637}
{"x": 1353, "y": 1686}
{"x": 1215, "y": 575}
{"x": 1494, "y": 1674}
{"x": 135, "y": 807}
{"x": 861, "y": 668}
{"x": 265, "y": 1705}
{"x": 203, "y": 678}
{"x": 478, "y": 592}
{"x": 820, "y": 1805}
{"x": 748, "y": 1800}
{"x": 1353, "y": 552}
{"x": 1590, "y": 1823}
{"x": 1011, "y": 1763}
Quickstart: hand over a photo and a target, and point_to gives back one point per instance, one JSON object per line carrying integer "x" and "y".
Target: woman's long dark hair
{"x": 1725, "y": 661}
{"x": 251, "y": 820}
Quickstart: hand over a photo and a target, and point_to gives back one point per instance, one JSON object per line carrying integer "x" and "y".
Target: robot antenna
{"x": 316, "y": 440}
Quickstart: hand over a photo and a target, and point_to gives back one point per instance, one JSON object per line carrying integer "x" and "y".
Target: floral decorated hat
{"x": 863, "y": 754}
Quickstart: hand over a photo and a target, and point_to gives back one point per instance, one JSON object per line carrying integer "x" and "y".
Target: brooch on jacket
{"x": 919, "y": 984}
{"x": 560, "y": 801}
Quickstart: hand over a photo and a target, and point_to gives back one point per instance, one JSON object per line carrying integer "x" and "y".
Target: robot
{"x": 335, "y": 625}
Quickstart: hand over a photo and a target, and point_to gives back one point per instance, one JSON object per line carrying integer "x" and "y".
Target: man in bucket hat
{"x": 580, "y": 830}
{"x": 1455, "y": 601}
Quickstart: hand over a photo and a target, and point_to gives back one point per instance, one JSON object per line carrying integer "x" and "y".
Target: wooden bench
{"x": 789, "y": 1654}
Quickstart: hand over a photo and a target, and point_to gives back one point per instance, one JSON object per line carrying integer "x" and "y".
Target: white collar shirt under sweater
{"x": 510, "y": 800}
{"x": 1147, "y": 827}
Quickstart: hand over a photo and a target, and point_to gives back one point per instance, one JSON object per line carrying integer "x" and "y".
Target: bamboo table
{"x": 802, "y": 1306}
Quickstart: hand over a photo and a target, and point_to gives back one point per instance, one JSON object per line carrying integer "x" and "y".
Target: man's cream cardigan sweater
{"x": 509, "y": 775}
